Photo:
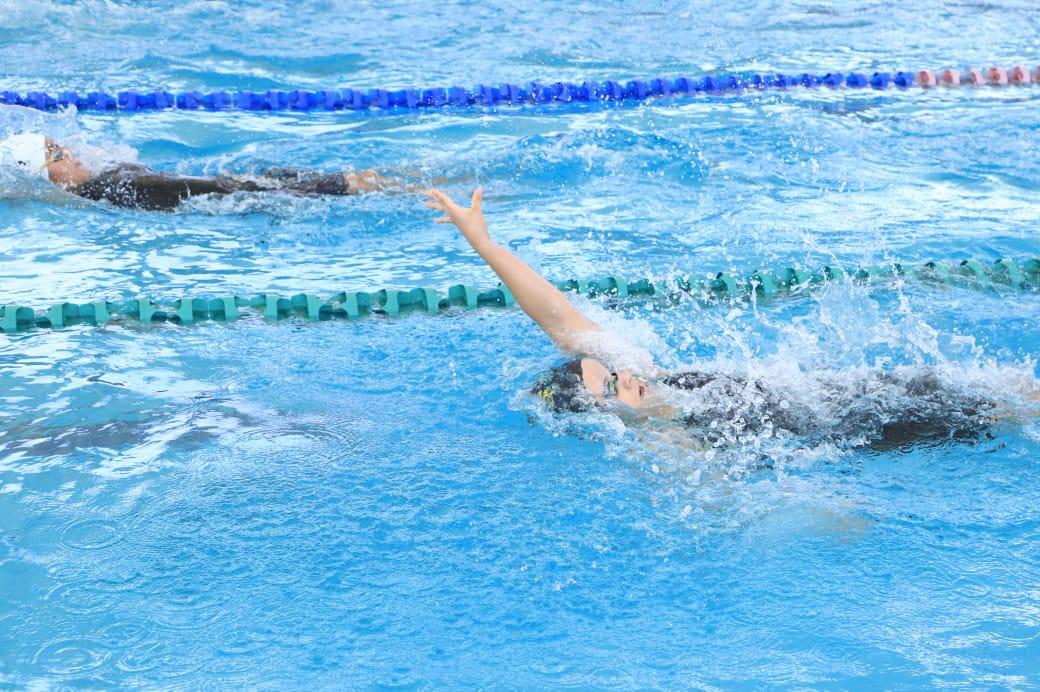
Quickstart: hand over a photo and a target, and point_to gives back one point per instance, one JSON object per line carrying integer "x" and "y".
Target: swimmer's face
{"x": 603, "y": 384}
{"x": 62, "y": 167}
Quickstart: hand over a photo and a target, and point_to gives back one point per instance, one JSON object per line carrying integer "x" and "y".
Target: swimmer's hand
{"x": 470, "y": 222}
{"x": 360, "y": 182}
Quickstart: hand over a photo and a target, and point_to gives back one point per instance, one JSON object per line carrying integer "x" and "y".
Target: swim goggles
{"x": 55, "y": 152}
{"x": 612, "y": 385}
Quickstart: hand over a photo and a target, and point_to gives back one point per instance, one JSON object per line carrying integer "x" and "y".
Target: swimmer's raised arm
{"x": 542, "y": 301}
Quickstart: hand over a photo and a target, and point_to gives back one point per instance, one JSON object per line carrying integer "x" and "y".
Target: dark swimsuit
{"x": 139, "y": 187}
{"x": 885, "y": 411}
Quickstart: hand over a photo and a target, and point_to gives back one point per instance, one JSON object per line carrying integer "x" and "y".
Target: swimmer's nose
{"x": 630, "y": 381}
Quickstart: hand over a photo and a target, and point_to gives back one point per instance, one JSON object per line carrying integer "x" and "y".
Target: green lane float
{"x": 352, "y": 305}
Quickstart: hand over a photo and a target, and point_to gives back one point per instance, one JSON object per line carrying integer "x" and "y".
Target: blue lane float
{"x": 489, "y": 95}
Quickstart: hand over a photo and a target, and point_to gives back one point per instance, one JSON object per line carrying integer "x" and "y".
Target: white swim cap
{"x": 25, "y": 150}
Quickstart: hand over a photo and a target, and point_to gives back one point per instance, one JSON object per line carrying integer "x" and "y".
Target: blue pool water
{"x": 380, "y": 502}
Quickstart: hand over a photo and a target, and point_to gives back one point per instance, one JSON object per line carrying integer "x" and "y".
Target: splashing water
{"x": 382, "y": 502}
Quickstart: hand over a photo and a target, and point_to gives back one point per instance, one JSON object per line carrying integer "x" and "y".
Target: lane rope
{"x": 709, "y": 289}
{"x": 489, "y": 95}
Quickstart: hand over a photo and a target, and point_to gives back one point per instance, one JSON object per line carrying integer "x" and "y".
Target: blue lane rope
{"x": 483, "y": 95}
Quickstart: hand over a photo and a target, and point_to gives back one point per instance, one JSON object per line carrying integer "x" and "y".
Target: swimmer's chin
{"x": 655, "y": 405}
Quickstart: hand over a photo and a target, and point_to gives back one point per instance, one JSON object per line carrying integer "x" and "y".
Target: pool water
{"x": 381, "y": 502}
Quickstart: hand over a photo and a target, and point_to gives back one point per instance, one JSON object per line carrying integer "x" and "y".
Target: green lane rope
{"x": 762, "y": 284}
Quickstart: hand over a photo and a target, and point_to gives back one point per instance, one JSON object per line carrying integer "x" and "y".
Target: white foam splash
{"x": 844, "y": 366}
{"x": 63, "y": 128}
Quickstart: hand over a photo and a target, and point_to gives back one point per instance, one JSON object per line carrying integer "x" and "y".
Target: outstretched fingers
{"x": 442, "y": 198}
{"x": 455, "y": 213}
{"x": 437, "y": 201}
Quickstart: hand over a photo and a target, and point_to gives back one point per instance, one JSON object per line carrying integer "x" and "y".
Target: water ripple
{"x": 381, "y": 502}
{"x": 91, "y": 535}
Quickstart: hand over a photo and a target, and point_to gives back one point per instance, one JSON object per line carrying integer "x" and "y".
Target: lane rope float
{"x": 762, "y": 284}
{"x": 488, "y": 95}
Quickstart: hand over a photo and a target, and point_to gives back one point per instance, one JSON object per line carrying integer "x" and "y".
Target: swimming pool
{"x": 379, "y": 502}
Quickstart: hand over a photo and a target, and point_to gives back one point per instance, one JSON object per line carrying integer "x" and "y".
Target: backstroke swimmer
{"x": 135, "y": 186}
{"x": 882, "y": 409}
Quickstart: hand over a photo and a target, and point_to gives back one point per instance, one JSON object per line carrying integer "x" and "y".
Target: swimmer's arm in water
{"x": 542, "y": 301}
{"x": 349, "y": 183}
{"x": 137, "y": 186}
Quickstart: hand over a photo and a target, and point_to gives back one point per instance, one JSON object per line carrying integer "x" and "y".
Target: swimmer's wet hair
{"x": 563, "y": 388}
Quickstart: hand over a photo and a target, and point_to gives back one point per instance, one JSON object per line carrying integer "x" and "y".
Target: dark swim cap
{"x": 563, "y": 388}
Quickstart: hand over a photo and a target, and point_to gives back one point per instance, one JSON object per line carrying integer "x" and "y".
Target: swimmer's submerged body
{"x": 136, "y": 186}
{"x": 881, "y": 409}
